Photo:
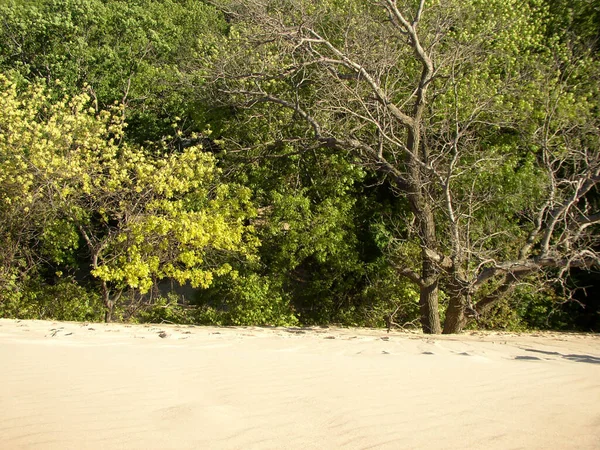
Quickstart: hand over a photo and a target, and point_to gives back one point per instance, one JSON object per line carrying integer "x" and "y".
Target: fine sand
{"x": 98, "y": 386}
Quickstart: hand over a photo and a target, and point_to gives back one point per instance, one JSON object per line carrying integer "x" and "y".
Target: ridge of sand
{"x": 67, "y": 385}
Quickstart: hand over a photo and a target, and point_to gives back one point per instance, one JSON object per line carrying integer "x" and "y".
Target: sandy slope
{"x": 97, "y": 386}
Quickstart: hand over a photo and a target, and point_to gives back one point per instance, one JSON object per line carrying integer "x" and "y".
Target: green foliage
{"x": 576, "y": 21}
{"x": 252, "y": 300}
{"x": 64, "y": 300}
{"x": 167, "y": 309}
{"x": 382, "y": 295}
{"x": 502, "y": 316}
{"x": 142, "y": 215}
{"x": 130, "y": 52}
{"x": 310, "y": 221}
{"x": 529, "y": 309}
{"x": 74, "y": 194}
{"x": 500, "y": 127}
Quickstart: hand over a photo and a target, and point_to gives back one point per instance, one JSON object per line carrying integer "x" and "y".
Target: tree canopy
{"x": 389, "y": 161}
{"x": 473, "y": 115}
{"x": 143, "y": 215}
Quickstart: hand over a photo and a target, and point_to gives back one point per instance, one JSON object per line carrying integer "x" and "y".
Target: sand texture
{"x": 98, "y": 386}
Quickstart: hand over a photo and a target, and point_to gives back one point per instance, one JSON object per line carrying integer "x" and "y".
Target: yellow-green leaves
{"x": 143, "y": 215}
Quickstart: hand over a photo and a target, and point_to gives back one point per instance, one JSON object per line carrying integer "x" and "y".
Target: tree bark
{"x": 109, "y": 311}
{"x": 456, "y": 318}
{"x": 429, "y": 285}
{"x": 428, "y": 300}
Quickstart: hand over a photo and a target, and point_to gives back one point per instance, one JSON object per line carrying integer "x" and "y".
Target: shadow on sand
{"x": 571, "y": 357}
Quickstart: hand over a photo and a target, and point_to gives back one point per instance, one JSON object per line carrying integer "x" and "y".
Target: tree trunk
{"x": 429, "y": 286}
{"x": 456, "y": 318}
{"x": 419, "y": 203}
{"x": 428, "y": 301}
{"x": 109, "y": 311}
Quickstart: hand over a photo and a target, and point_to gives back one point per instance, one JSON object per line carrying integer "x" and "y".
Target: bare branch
{"x": 419, "y": 13}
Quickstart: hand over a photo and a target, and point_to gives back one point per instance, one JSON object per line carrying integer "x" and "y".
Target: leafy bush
{"x": 65, "y": 300}
{"x": 249, "y": 300}
{"x": 167, "y": 309}
{"x": 529, "y": 309}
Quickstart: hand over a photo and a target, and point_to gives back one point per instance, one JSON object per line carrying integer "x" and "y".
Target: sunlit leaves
{"x": 143, "y": 215}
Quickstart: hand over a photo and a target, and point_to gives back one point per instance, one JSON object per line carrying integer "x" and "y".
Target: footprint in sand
{"x": 528, "y": 358}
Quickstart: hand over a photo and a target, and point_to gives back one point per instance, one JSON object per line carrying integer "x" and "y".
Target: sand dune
{"x": 98, "y": 386}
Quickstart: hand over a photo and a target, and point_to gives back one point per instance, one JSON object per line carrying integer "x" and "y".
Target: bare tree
{"x": 465, "y": 113}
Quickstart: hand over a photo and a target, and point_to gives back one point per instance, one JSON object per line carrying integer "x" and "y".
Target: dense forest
{"x": 399, "y": 163}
